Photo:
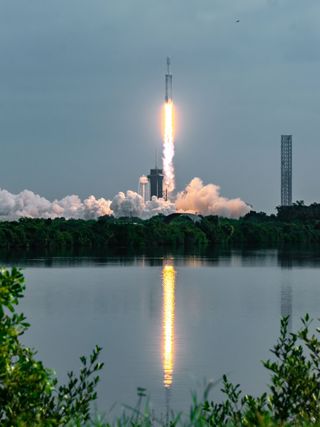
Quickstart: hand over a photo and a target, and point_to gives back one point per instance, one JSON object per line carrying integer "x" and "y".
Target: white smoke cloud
{"x": 196, "y": 198}
{"x": 132, "y": 204}
{"x": 31, "y": 205}
{"x": 157, "y": 206}
{"x": 93, "y": 208}
{"x": 25, "y": 203}
{"x": 206, "y": 200}
{"x": 129, "y": 204}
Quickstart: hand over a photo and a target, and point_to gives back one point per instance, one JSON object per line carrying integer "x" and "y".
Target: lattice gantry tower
{"x": 286, "y": 170}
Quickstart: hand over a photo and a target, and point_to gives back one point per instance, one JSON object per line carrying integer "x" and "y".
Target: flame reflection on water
{"x": 168, "y": 294}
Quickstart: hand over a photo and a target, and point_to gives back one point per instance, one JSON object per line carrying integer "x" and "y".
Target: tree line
{"x": 296, "y": 224}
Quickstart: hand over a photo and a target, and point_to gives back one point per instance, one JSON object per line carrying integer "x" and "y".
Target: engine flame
{"x": 168, "y": 149}
{"x": 168, "y": 289}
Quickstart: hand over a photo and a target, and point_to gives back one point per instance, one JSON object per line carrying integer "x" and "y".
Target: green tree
{"x": 29, "y": 392}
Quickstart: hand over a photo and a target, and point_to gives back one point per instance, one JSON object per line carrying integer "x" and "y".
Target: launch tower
{"x": 286, "y": 170}
{"x": 156, "y": 182}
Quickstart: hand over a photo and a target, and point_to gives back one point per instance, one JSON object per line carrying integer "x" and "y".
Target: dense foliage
{"x": 297, "y": 224}
{"x": 29, "y": 393}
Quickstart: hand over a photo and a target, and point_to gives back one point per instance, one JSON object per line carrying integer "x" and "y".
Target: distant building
{"x": 286, "y": 170}
{"x": 156, "y": 182}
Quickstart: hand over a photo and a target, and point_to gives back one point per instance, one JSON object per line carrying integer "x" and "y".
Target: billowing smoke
{"x": 206, "y": 200}
{"x": 196, "y": 198}
{"x": 129, "y": 204}
{"x": 132, "y": 204}
{"x": 31, "y": 205}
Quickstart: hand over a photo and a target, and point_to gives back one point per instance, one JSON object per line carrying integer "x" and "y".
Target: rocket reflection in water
{"x": 168, "y": 295}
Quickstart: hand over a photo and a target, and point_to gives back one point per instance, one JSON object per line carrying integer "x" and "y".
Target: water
{"x": 168, "y": 324}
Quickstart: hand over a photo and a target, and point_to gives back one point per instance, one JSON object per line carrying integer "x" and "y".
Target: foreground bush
{"x": 293, "y": 398}
{"x": 30, "y": 394}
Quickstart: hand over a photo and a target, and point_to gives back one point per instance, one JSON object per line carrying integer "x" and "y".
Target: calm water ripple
{"x": 168, "y": 324}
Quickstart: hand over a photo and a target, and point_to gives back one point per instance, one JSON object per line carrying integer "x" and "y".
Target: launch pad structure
{"x": 286, "y": 170}
{"x": 156, "y": 182}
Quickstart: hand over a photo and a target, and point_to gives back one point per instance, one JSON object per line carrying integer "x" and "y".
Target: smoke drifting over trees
{"x": 31, "y": 205}
{"x": 132, "y": 204}
{"x": 196, "y": 198}
{"x": 206, "y": 200}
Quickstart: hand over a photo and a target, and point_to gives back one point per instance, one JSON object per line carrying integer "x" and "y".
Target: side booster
{"x": 168, "y": 93}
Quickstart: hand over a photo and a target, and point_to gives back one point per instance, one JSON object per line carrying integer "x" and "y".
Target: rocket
{"x": 168, "y": 93}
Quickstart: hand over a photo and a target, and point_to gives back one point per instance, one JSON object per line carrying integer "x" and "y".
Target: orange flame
{"x": 168, "y": 288}
{"x": 168, "y": 148}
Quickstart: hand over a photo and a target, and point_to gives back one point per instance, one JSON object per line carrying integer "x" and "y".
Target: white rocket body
{"x": 168, "y": 91}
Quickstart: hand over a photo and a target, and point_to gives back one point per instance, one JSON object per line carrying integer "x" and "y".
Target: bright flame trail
{"x": 168, "y": 137}
{"x": 168, "y": 289}
{"x": 168, "y": 148}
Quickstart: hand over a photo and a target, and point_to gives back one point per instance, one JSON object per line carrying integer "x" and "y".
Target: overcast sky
{"x": 82, "y": 85}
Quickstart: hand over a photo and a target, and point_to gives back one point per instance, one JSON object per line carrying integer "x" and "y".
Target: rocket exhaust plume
{"x": 196, "y": 198}
{"x": 168, "y": 137}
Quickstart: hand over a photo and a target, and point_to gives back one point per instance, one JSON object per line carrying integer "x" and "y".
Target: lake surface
{"x": 168, "y": 324}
